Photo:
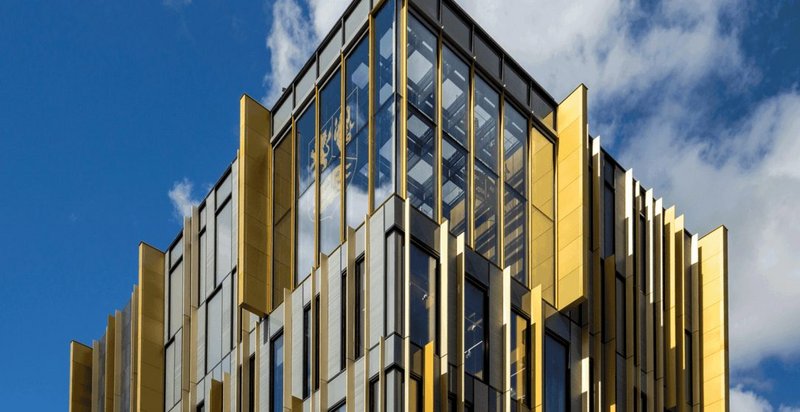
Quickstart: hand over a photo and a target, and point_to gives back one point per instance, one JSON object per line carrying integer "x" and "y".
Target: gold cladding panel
{"x": 254, "y": 202}
{"x": 713, "y": 257}
{"x": 150, "y": 319}
{"x": 80, "y": 377}
{"x": 572, "y": 200}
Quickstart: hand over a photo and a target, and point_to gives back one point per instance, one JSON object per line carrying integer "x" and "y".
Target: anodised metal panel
{"x": 150, "y": 314}
{"x": 80, "y": 377}
{"x": 254, "y": 201}
{"x": 572, "y": 200}
{"x": 713, "y": 258}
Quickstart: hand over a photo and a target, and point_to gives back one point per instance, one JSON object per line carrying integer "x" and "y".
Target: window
{"x": 306, "y": 147}
{"x": 689, "y": 367}
{"x": 384, "y": 121}
{"x": 330, "y": 153}
{"x": 620, "y": 315}
{"x": 175, "y": 320}
{"x": 343, "y": 323}
{"x": 213, "y": 331}
{"x": 306, "y": 351}
{"x": 316, "y": 343}
{"x": 455, "y": 94}
{"x": 485, "y": 123}
{"x": 642, "y": 253}
{"x": 202, "y": 270}
{"x": 608, "y": 209}
{"x": 224, "y": 242}
{"x": 421, "y": 151}
{"x": 276, "y": 373}
{"x": 557, "y": 371}
{"x": 485, "y": 219}
{"x": 172, "y": 370}
{"x": 282, "y": 267}
{"x": 520, "y": 368}
{"x": 201, "y": 407}
{"x": 454, "y": 186}
{"x": 421, "y": 67}
{"x": 423, "y": 297}
{"x": 360, "y": 308}
{"x": 515, "y": 147}
{"x": 357, "y": 134}
{"x": 339, "y": 408}
{"x": 251, "y": 389}
{"x": 374, "y": 395}
{"x": 475, "y": 332}
{"x": 515, "y": 225}
{"x": 415, "y": 394}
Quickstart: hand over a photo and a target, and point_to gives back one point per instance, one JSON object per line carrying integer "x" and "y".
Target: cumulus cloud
{"x": 293, "y": 37}
{"x": 646, "y": 67}
{"x": 181, "y": 197}
{"x": 653, "y": 59}
{"x": 743, "y": 400}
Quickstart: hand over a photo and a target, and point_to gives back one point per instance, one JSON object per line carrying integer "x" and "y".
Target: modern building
{"x": 417, "y": 225}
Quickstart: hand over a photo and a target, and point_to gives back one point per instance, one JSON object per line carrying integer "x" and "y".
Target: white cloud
{"x": 743, "y": 400}
{"x": 742, "y": 174}
{"x": 654, "y": 60}
{"x": 294, "y": 37}
{"x": 181, "y": 197}
{"x": 177, "y": 4}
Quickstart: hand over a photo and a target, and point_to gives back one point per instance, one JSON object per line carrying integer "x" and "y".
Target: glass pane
{"x": 515, "y": 230}
{"x": 329, "y": 161}
{"x": 608, "y": 220}
{"x": 360, "y": 309}
{"x": 305, "y": 235}
{"x": 276, "y": 375}
{"x": 384, "y": 66}
{"x": 421, "y": 150}
{"x": 519, "y": 358}
{"x": 224, "y": 245}
{"x": 485, "y": 213}
{"x": 306, "y": 148}
{"x": 202, "y": 270}
{"x": 474, "y": 330}
{"x": 487, "y": 113}
{"x": 169, "y": 371}
{"x": 515, "y": 146}
{"x": 281, "y": 217}
{"x": 421, "y": 67}
{"x": 357, "y": 134}
{"x": 455, "y": 94}
{"x": 214, "y": 332}
{"x": 423, "y": 296}
{"x": 175, "y": 299}
{"x": 454, "y": 186}
{"x": 306, "y": 352}
{"x": 224, "y": 190}
{"x": 555, "y": 364}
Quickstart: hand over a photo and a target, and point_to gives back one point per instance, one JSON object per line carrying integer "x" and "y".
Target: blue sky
{"x": 106, "y": 106}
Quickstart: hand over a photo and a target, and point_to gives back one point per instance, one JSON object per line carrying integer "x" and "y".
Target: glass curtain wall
{"x": 356, "y": 118}
{"x": 515, "y": 148}
{"x": 486, "y": 132}
{"x": 306, "y": 188}
{"x": 520, "y": 370}
{"x": 330, "y": 154}
{"x": 421, "y": 122}
{"x": 384, "y": 67}
{"x": 455, "y": 118}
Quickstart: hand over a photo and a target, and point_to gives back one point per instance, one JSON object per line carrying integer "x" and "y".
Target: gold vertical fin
{"x": 713, "y": 258}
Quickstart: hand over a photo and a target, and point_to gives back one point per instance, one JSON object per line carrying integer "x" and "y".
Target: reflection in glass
{"x": 330, "y": 152}
{"x": 485, "y": 124}
{"x": 485, "y": 213}
{"x": 421, "y": 67}
{"x": 515, "y": 138}
{"x": 454, "y": 186}
{"x": 474, "y": 330}
{"x": 384, "y": 123}
{"x": 515, "y": 226}
{"x": 421, "y": 149}
{"x": 214, "y": 331}
{"x": 306, "y": 149}
{"x": 276, "y": 374}
{"x": 305, "y": 235}
{"x": 455, "y": 92}
{"x": 423, "y": 297}
{"x": 224, "y": 244}
{"x": 555, "y": 368}
{"x": 175, "y": 320}
{"x": 357, "y": 134}
{"x": 519, "y": 358}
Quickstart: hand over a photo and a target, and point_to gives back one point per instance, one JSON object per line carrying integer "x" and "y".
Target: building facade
{"x": 417, "y": 225}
